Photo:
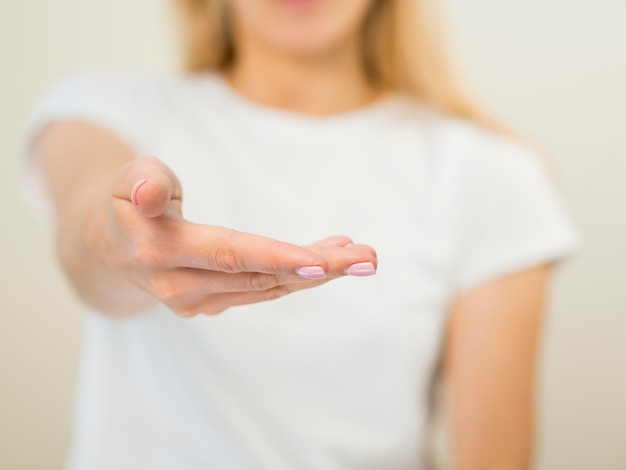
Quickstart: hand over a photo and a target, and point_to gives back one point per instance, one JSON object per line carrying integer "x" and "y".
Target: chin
{"x": 305, "y": 27}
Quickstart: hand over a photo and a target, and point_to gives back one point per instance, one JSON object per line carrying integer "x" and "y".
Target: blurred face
{"x": 300, "y": 27}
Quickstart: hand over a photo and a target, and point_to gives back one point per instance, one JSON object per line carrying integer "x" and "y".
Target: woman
{"x": 298, "y": 120}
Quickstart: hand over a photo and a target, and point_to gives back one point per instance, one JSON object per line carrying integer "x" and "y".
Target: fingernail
{"x": 311, "y": 272}
{"x": 133, "y": 193}
{"x": 348, "y": 245}
{"x": 361, "y": 269}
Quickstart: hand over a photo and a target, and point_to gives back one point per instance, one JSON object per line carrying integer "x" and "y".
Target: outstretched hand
{"x": 194, "y": 268}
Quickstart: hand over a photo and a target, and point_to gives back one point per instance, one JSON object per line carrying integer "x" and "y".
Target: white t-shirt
{"x": 330, "y": 378}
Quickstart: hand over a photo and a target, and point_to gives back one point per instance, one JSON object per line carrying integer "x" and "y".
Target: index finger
{"x": 226, "y": 250}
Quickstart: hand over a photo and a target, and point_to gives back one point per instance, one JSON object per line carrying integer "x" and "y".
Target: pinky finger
{"x": 217, "y": 303}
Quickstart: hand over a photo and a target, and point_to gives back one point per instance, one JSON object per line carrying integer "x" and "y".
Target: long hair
{"x": 404, "y": 49}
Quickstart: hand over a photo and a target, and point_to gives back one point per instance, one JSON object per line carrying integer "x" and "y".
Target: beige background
{"x": 553, "y": 69}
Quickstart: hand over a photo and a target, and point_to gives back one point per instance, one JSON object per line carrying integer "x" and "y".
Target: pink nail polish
{"x": 311, "y": 272}
{"x": 133, "y": 193}
{"x": 361, "y": 269}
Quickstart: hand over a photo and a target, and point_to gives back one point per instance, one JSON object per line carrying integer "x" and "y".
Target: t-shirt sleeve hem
{"x": 34, "y": 190}
{"x": 62, "y": 105}
{"x": 555, "y": 252}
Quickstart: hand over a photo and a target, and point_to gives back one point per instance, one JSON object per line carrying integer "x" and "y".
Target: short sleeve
{"x": 106, "y": 99}
{"x": 511, "y": 214}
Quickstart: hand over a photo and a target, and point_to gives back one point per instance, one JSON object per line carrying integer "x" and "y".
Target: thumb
{"x": 150, "y": 186}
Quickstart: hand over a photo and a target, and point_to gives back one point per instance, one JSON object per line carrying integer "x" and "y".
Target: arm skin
{"x": 78, "y": 186}
{"x": 489, "y": 370}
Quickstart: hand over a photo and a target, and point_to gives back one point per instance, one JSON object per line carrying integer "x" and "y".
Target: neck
{"x": 320, "y": 84}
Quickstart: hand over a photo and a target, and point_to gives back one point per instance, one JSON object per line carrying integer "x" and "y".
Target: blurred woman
{"x": 208, "y": 342}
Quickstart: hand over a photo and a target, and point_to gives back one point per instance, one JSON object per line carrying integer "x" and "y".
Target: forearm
{"x": 79, "y": 163}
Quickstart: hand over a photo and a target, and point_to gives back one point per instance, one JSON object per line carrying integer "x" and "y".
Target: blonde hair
{"x": 404, "y": 50}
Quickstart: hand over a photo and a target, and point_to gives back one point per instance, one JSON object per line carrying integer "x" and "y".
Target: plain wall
{"x": 553, "y": 69}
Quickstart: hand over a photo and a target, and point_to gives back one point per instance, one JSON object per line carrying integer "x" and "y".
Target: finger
{"x": 189, "y": 283}
{"x": 230, "y": 251}
{"x": 354, "y": 260}
{"x": 337, "y": 240}
{"x": 217, "y": 303}
{"x": 150, "y": 185}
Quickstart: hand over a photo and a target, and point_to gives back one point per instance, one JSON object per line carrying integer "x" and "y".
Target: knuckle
{"x": 165, "y": 289}
{"x": 147, "y": 255}
{"x": 224, "y": 256}
{"x": 225, "y": 260}
{"x": 260, "y": 281}
{"x": 275, "y": 293}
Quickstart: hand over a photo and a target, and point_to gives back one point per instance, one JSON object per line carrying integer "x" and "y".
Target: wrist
{"x": 89, "y": 252}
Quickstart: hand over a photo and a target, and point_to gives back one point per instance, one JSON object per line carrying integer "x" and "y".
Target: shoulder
{"x": 101, "y": 84}
{"x": 460, "y": 155}
{"x": 156, "y": 94}
{"x": 476, "y": 157}
{"x": 499, "y": 202}
{"x": 459, "y": 142}
{"x": 129, "y": 102}
{"x": 494, "y": 166}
